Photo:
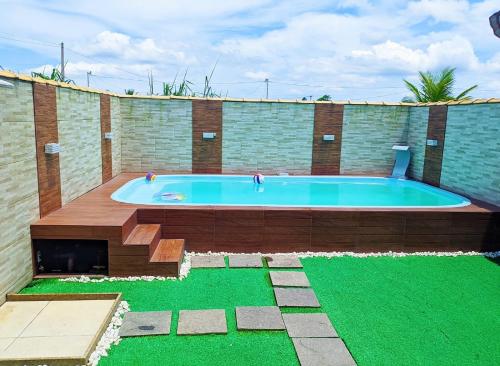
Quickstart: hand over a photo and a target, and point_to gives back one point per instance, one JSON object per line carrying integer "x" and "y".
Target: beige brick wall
{"x": 79, "y": 127}
{"x": 417, "y": 137}
{"x": 471, "y": 158}
{"x": 267, "y": 137}
{"x": 18, "y": 185}
{"x": 156, "y": 135}
{"x": 368, "y": 134}
{"x": 116, "y": 143}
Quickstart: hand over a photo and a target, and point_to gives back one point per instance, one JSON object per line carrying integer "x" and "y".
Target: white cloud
{"x": 113, "y": 44}
{"x": 392, "y": 55}
{"x": 453, "y": 11}
{"x": 354, "y": 49}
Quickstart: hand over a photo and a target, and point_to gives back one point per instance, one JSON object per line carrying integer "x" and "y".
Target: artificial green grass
{"x": 389, "y": 311}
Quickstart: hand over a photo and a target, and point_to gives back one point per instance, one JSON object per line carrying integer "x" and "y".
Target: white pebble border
{"x": 110, "y": 336}
{"x": 183, "y": 273}
{"x": 186, "y": 264}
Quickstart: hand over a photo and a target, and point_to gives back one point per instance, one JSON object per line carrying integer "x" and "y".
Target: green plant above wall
{"x": 436, "y": 87}
{"x": 55, "y": 75}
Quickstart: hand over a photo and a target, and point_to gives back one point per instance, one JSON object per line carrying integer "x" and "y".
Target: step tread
{"x": 168, "y": 250}
{"x": 143, "y": 234}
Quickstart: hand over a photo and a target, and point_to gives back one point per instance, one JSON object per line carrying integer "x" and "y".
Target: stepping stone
{"x": 288, "y": 278}
{"x": 145, "y": 323}
{"x": 208, "y": 261}
{"x": 259, "y": 318}
{"x": 322, "y": 352}
{"x": 193, "y": 322}
{"x": 283, "y": 261}
{"x": 309, "y": 325}
{"x": 296, "y": 297}
{"x": 245, "y": 261}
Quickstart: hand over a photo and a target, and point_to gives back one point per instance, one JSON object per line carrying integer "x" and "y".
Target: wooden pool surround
{"x": 259, "y": 229}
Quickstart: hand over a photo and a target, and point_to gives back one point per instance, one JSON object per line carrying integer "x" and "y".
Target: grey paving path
{"x": 145, "y": 323}
{"x": 309, "y": 325}
{"x": 289, "y": 278}
{"x": 322, "y": 352}
{"x": 193, "y": 322}
{"x": 245, "y": 261}
{"x": 283, "y": 261}
{"x": 259, "y": 318}
{"x": 296, "y": 297}
{"x": 208, "y": 261}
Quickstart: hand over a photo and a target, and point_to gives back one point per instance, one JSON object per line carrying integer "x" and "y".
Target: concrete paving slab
{"x": 296, "y": 297}
{"x": 283, "y": 261}
{"x": 137, "y": 324}
{"x": 193, "y": 322}
{"x": 245, "y": 261}
{"x": 47, "y": 347}
{"x": 5, "y": 342}
{"x": 322, "y": 352}
{"x": 15, "y": 316}
{"x": 51, "y": 333}
{"x": 259, "y": 318}
{"x": 309, "y": 325}
{"x": 208, "y": 261}
{"x": 289, "y": 278}
{"x": 67, "y": 318}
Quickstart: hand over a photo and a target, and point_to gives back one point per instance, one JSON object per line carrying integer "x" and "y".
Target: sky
{"x": 351, "y": 50}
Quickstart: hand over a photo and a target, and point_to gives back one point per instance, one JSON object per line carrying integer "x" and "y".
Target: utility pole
{"x": 267, "y": 88}
{"x": 62, "y": 62}
{"x": 89, "y": 73}
{"x": 151, "y": 83}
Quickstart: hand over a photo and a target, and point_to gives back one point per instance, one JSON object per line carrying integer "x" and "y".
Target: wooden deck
{"x": 135, "y": 233}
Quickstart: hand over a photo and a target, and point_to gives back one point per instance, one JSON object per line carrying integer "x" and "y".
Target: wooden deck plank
{"x": 168, "y": 250}
{"x": 144, "y": 234}
{"x": 95, "y": 215}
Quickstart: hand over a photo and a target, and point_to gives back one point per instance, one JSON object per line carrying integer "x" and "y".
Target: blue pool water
{"x": 313, "y": 191}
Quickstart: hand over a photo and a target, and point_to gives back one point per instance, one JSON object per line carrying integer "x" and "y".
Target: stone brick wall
{"x": 471, "y": 159}
{"x": 369, "y": 132}
{"x": 18, "y": 185}
{"x": 267, "y": 137}
{"x": 417, "y": 132}
{"x": 78, "y": 119}
{"x": 116, "y": 143}
{"x": 156, "y": 134}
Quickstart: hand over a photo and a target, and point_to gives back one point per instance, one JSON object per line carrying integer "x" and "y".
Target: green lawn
{"x": 389, "y": 311}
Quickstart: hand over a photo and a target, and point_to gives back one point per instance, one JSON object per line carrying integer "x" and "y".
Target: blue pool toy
{"x": 150, "y": 177}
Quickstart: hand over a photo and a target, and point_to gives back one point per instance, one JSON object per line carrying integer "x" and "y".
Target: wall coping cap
{"x": 23, "y": 77}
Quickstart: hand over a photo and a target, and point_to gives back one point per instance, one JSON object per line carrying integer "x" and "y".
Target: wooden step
{"x": 168, "y": 251}
{"x": 144, "y": 234}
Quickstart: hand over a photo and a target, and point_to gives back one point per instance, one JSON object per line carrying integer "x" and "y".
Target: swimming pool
{"x": 285, "y": 191}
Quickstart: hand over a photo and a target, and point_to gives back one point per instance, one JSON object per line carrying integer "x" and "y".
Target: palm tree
{"x": 436, "y": 87}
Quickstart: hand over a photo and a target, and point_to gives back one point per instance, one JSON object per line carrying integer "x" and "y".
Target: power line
{"x": 40, "y": 43}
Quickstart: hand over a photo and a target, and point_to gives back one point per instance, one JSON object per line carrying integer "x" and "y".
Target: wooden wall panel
{"x": 107, "y": 169}
{"x": 49, "y": 175}
{"x": 436, "y": 130}
{"x": 328, "y": 120}
{"x": 207, "y": 154}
